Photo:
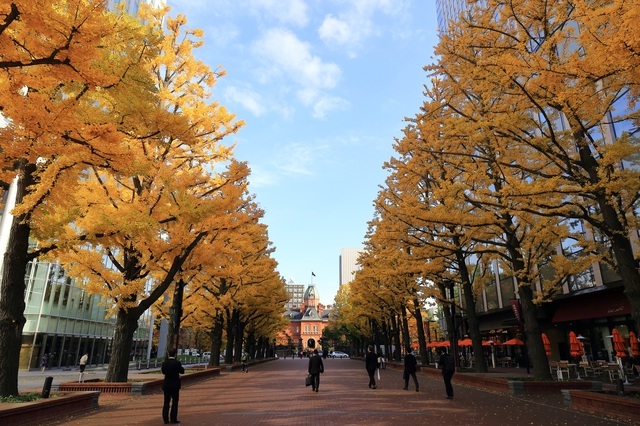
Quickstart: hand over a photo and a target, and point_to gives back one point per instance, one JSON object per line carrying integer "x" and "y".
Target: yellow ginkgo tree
{"x": 59, "y": 64}
{"x": 137, "y": 221}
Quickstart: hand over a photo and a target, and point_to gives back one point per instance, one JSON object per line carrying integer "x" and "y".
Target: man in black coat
{"x": 410, "y": 364}
{"x": 371, "y": 363}
{"x": 171, "y": 368}
{"x": 448, "y": 365}
{"x": 316, "y": 367}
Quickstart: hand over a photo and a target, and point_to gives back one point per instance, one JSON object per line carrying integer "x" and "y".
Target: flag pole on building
{"x": 312, "y": 275}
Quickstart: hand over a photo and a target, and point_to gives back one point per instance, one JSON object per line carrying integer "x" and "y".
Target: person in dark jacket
{"x": 448, "y": 366}
{"x": 410, "y": 364}
{"x": 371, "y": 363}
{"x": 171, "y": 368}
{"x": 316, "y": 367}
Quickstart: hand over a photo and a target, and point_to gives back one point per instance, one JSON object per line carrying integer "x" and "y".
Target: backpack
{"x": 449, "y": 363}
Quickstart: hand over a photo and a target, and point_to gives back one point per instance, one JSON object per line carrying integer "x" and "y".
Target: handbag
{"x": 307, "y": 380}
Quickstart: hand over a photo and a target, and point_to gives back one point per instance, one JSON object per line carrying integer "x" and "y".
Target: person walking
{"x": 448, "y": 366}
{"x": 171, "y": 368}
{"x": 381, "y": 360}
{"x": 410, "y": 364}
{"x": 371, "y": 364}
{"x": 316, "y": 367}
{"x": 83, "y": 364}
{"x": 44, "y": 363}
{"x": 245, "y": 362}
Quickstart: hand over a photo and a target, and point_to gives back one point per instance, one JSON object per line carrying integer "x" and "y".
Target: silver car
{"x": 338, "y": 354}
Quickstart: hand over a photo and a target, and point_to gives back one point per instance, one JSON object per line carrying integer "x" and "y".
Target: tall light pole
{"x": 452, "y": 309}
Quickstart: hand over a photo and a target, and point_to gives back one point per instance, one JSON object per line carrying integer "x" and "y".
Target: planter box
{"x": 93, "y": 387}
{"x": 513, "y": 387}
{"x": 521, "y": 387}
{"x": 233, "y": 367}
{"x": 136, "y": 388}
{"x": 46, "y": 410}
{"x": 620, "y": 407}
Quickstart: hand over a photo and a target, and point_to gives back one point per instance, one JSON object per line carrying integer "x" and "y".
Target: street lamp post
{"x": 427, "y": 324}
{"x": 175, "y": 312}
{"x": 452, "y": 309}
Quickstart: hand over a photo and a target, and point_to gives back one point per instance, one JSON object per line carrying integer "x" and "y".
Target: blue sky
{"x": 324, "y": 87}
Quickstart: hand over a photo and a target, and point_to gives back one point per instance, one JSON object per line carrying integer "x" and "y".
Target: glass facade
{"x": 132, "y": 6}
{"x": 64, "y": 321}
{"x": 448, "y": 10}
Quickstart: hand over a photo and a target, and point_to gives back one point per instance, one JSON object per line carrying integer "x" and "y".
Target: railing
{"x": 143, "y": 364}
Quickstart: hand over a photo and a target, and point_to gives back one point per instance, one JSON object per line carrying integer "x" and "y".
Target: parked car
{"x": 338, "y": 354}
{"x": 206, "y": 355}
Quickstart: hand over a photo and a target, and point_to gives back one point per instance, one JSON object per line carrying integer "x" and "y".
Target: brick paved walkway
{"x": 274, "y": 394}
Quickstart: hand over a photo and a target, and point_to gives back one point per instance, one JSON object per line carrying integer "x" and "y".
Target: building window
{"x": 585, "y": 279}
{"x": 507, "y": 289}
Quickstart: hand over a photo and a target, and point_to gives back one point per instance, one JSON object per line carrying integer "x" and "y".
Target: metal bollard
{"x": 46, "y": 388}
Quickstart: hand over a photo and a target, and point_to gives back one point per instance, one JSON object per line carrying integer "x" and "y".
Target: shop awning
{"x": 592, "y": 306}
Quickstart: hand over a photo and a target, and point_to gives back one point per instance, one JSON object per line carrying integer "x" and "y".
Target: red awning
{"x": 592, "y": 306}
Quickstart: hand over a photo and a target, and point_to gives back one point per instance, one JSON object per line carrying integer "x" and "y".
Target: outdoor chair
{"x": 614, "y": 372}
{"x": 599, "y": 367}
{"x": 586, "y": 368}
{"x": 563, "y": 368}
{"x": 628, "y": 373}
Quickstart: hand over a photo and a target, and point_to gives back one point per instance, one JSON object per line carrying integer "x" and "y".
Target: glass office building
{"x": 447, "y": 11}
{"x": 64, "y": 321}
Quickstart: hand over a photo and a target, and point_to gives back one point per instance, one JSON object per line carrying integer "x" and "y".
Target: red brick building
{"x": 306, "y": 323}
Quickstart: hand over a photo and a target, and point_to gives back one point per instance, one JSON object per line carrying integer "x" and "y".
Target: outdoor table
{"x": 505, "y": 361}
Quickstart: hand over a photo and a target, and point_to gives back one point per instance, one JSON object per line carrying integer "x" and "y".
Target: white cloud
{"x": 327, "y": 104}
{"x": 356, "y": 22}
{"x": 247, "y": 98}
{"x": 293, "y": 159}
{"x": 222, "y": 34}
{"x": 298, "y": 158}
{"x": 261, "y": 177}
{"x": 292, "y": 12}
{"x": 334, "y": 30}
{"x": 292, "y": 58}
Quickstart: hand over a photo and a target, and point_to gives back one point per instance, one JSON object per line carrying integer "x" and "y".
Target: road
{"x": 273, "y": 393}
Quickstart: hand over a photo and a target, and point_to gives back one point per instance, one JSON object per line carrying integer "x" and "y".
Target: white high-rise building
{"x": 348, "y": 264}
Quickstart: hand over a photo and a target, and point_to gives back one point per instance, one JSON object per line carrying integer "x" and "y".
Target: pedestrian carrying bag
{"x": 307, "y": 380}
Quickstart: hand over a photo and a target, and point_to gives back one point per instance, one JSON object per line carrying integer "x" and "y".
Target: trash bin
{"x": 46, "y": 388}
